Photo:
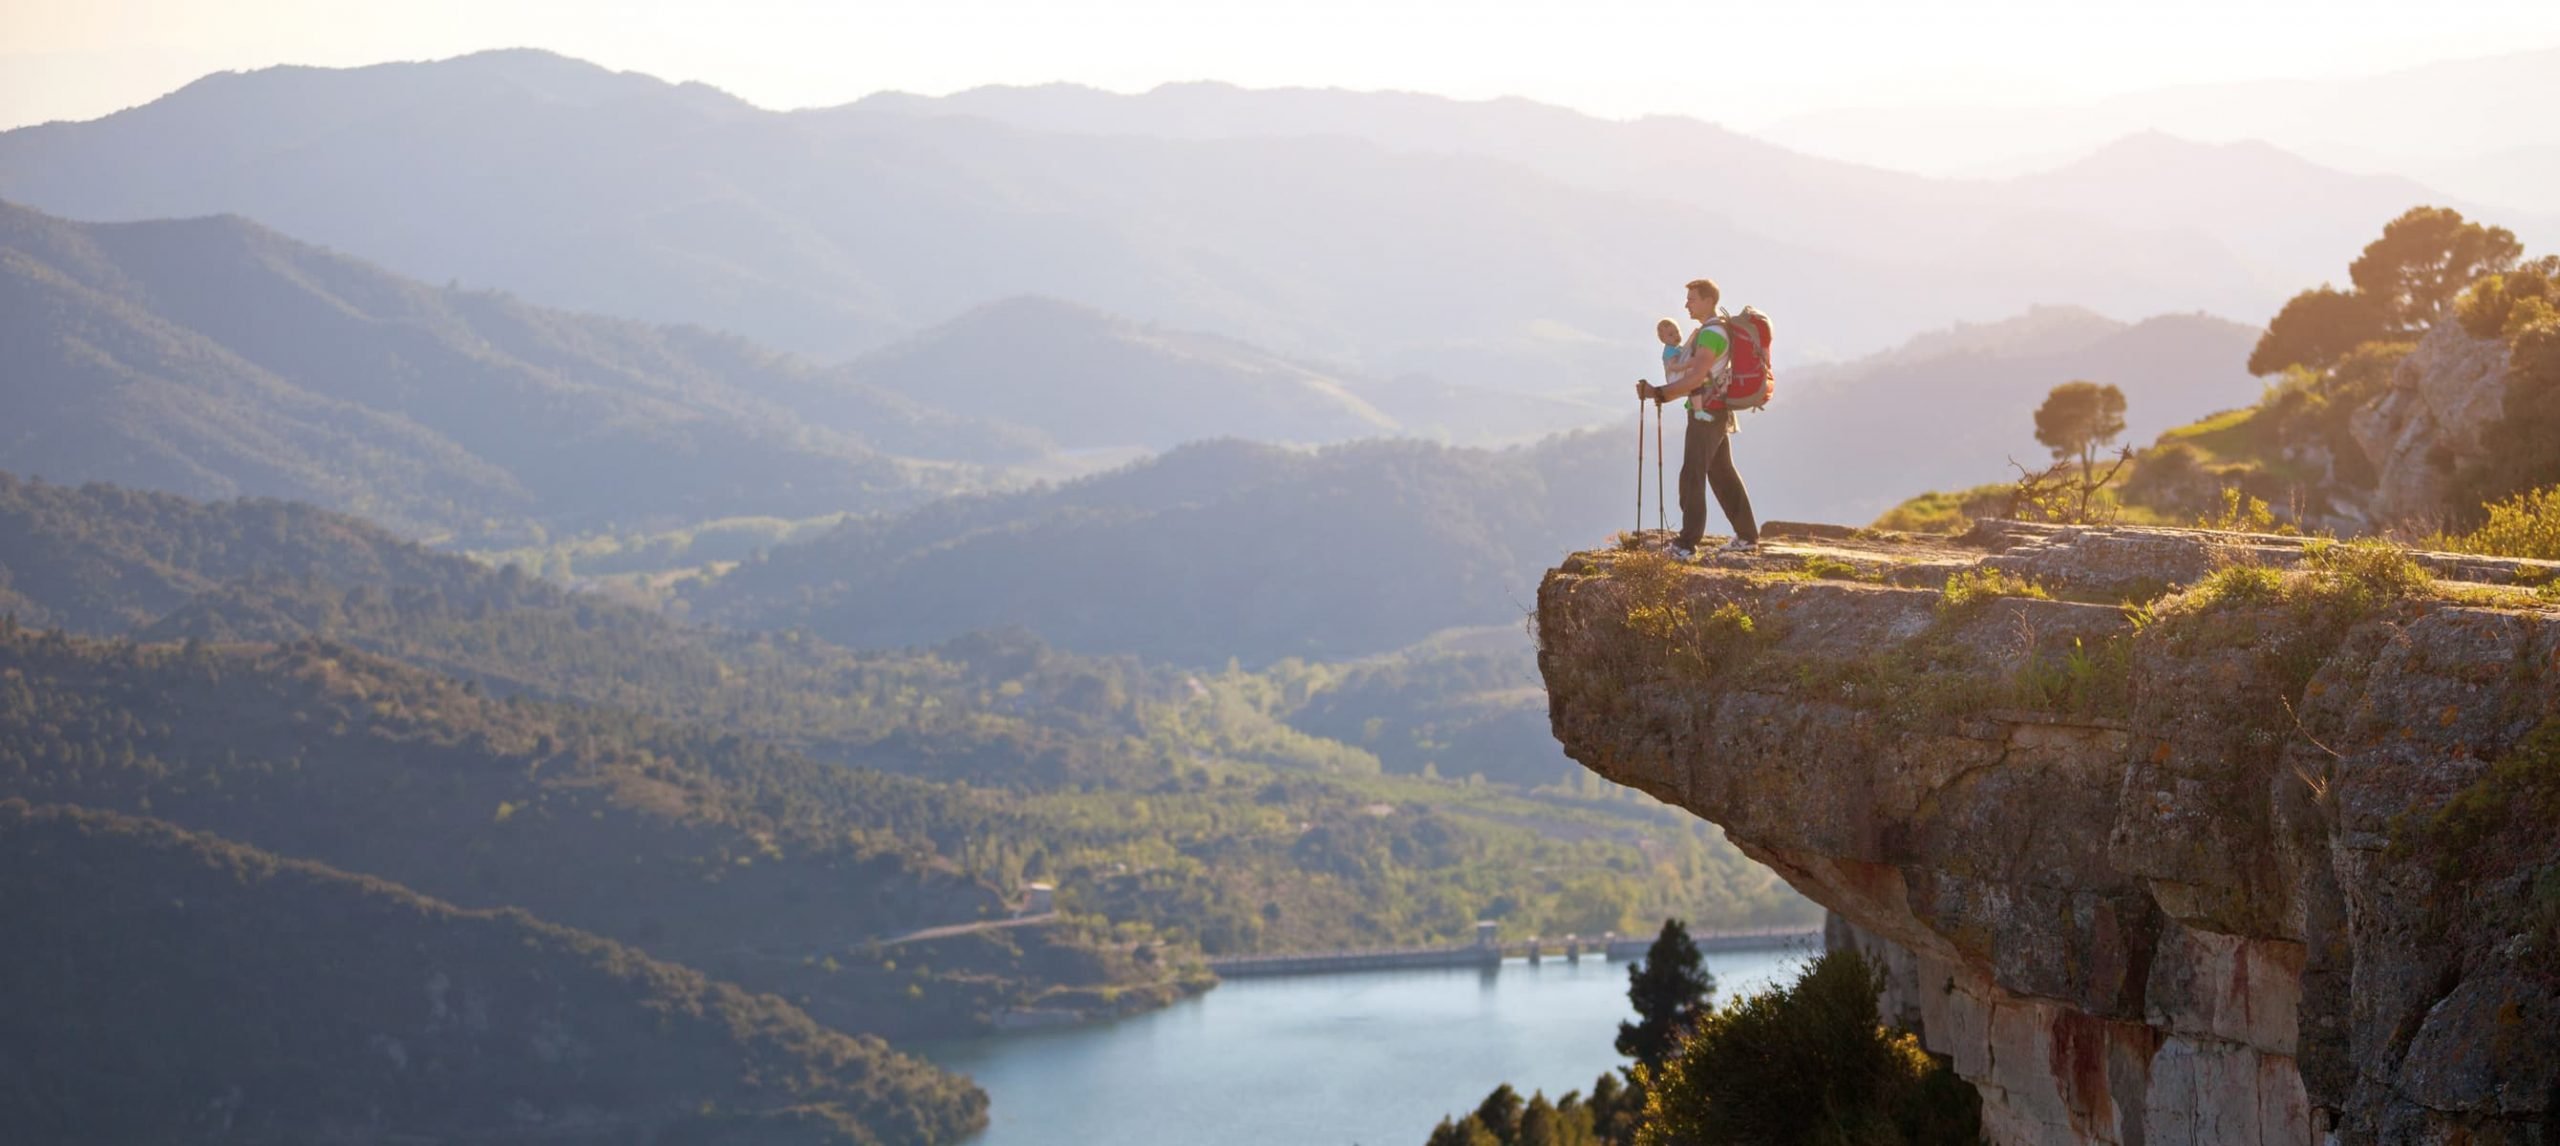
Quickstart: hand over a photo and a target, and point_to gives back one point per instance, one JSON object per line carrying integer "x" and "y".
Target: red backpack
{"x": 1749, "y": 382}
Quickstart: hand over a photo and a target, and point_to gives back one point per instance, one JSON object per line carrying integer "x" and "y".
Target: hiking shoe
{"x": 1739, "y": 546}
{"x": 1681, "y": 552}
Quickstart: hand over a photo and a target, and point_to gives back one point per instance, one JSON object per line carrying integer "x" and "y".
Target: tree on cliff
{"x": 2423, "y": 259}
{"x": 2403, "y": 283}
{"x": 2315, "y": 329}
{"x": 1670, "y": 990}
{"x": 2077, "y": 418}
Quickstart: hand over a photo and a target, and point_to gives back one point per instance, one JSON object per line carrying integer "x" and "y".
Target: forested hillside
{"x": 701, "y": 848}
{"x": 1225, "y": 549}
{"x": 1169, "y": 804}
{"x": 162, "y": 985}
{"x": 212, "y": 357}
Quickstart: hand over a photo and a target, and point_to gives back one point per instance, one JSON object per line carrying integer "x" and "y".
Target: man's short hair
{"x": 1706, "y": 287}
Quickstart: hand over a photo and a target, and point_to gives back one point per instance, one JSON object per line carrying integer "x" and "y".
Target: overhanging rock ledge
{"x": 2185, "y": 877}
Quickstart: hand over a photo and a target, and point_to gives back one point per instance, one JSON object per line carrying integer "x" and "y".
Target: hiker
{"x": 1706, "y": 449}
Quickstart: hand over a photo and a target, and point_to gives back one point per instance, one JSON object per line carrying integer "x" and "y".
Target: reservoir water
{"x": 1366, "y": 1059}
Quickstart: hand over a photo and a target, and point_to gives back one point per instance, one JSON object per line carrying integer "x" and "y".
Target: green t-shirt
{"x": 1706, "y": 346}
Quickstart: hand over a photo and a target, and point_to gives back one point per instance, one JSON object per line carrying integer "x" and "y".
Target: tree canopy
{"x": 2316, "y": 328}
{"x": 2403, "y": 283}
{"x": 2423, "y": 259}
{"x": 2078, "y": 417}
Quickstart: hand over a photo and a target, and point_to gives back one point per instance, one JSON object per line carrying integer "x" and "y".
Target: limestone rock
{"x": 2442, "y": 397}
{"x": 2167, "y": 884}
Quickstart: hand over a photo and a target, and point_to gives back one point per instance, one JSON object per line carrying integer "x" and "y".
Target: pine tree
{"x": 1670, "y": 990}
{"x": 1500, "y": 1113}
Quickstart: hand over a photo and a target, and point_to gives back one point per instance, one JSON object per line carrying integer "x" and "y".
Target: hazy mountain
{"x": 1948, "y": 409}
{"x": 1219, "y": 550}
{"x": 2444, "y": 124}
{"x": 1536, "y": 266}
{"x": 213, "y": 357}
{"x": 186, "y": 988}
{"x": 2285, "y": 214}
{"x": 2149, "y": 210}
{"x": 1091, "y": 380}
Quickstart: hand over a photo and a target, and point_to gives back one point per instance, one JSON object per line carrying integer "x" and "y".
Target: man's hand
{"x": 1647, "y": 391}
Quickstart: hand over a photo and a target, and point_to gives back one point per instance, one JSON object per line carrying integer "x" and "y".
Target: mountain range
{"x": 1490, "y": 244}
{"x": 215, "y": 357}
{"x": 2465, "y": 127}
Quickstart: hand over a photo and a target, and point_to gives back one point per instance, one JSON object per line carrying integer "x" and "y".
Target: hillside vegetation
{"x": 1171, "y": 805}
{"x": 147, "y": 964}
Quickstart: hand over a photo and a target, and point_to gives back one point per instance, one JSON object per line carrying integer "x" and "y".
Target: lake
{"x": 1367, "y": 1059}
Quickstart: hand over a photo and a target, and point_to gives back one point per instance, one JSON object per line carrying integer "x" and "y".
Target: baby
{"x": 1674, "y": 355}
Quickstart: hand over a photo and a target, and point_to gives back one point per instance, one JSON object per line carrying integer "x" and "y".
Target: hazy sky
{"x": 77, "y": 59}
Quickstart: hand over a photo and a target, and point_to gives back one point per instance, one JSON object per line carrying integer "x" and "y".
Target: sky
{"x": 1735, "y": 64}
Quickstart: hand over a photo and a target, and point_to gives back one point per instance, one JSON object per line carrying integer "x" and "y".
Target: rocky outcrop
{"x": 2443, "y": 397}
{"x": 2265, "y": 862}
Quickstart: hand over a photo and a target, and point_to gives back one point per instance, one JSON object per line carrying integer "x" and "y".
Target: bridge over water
{"x": 1488, "y": 951}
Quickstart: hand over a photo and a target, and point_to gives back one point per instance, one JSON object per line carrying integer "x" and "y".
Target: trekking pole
{"x": 1639, "y": 527}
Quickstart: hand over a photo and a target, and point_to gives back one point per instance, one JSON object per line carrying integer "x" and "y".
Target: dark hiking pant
{"x": 1706, "y": 459}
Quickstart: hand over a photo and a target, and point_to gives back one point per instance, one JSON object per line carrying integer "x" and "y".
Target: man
{"x": 1706, "y": 450}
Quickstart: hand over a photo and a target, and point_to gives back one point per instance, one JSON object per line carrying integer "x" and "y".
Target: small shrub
{"x": 2243, "y": 584}
{"x": 2526, "y": 525}
{"x": 2240, "y": 514}
{"x": 1968, "y": 589}
{"x": 1668, "y": 625}
{"x": 2363, "y": 575}
{"x": 1807, "y": 1063}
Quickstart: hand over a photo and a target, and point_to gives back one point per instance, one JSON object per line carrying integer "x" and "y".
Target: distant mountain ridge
{"x": 1501, "y": 244}
{"x": 1949, "y": 409}
{"x": 1090, "y": 379}
{"x": 2164, "y": 200}
{"x": 213, "y": 357}
{"x": 2461, "y": 126}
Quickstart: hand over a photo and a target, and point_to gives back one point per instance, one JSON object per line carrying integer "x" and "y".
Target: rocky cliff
{"x": 2268, "y": 858}
{"x": 2441, "y": 401}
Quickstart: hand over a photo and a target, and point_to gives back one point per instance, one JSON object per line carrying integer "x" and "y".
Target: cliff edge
{"x": 2165, "y": 836}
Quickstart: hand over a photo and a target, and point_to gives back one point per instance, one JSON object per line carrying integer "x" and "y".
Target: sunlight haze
{"x": 80, "y": 60}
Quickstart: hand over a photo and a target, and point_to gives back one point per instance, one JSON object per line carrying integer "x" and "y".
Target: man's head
{"x": 1668, "y": 331}
{"x": 1703, "y": 299}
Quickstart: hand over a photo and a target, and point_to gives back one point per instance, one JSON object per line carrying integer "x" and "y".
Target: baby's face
{"x": 1669, "y": 334}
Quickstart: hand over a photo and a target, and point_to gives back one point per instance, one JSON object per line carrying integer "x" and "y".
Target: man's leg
{"x": 1697, "y": 446}
{"x": 1730, "y": 496}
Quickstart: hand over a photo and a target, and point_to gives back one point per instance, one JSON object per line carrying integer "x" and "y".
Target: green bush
{"x": 2526, "y": 525}
{"x": 1807, "y": 1064}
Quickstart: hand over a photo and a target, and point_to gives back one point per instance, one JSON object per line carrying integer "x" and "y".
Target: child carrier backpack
{"x": 1749, "y": 380}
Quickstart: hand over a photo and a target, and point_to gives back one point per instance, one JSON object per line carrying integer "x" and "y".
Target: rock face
{"x": 2184, "y": 876}
{"x": 2449, "y": 390}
